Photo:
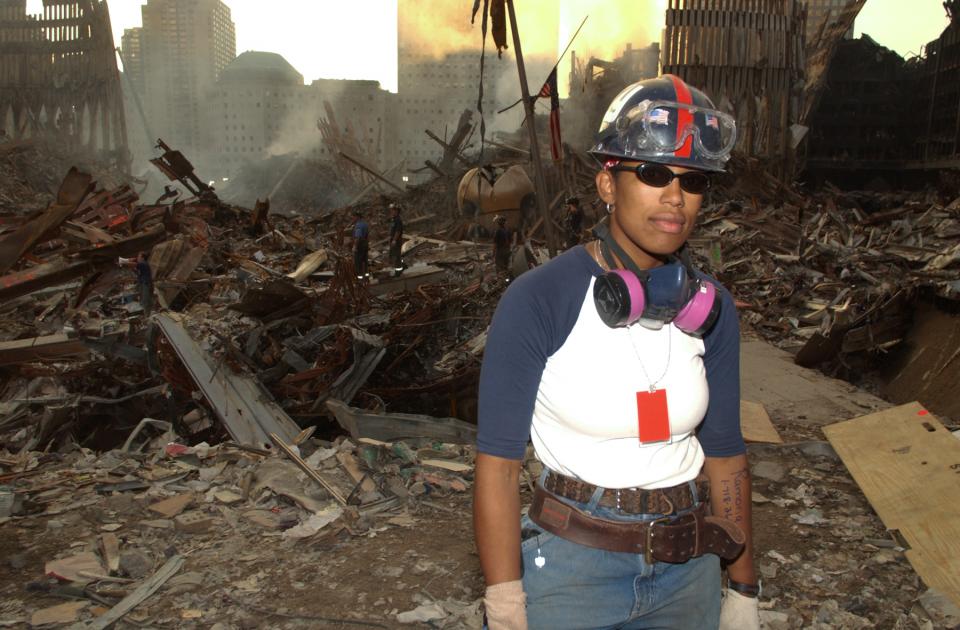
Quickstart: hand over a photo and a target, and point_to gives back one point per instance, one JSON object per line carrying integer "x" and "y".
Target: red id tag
{"x": 653, "y": 418}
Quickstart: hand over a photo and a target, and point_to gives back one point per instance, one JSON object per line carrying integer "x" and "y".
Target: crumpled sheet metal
{"x": 238, "y": 401}
{"x": 61, "y": 270}
{"x": 75, "y": 187}
{"x": 390, "y": 427}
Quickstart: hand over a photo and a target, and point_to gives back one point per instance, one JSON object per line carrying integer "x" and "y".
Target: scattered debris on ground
{"x": 280, "y": 433}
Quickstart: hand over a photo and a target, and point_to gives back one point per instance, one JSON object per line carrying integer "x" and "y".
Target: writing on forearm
{"x": 733, "y": 495}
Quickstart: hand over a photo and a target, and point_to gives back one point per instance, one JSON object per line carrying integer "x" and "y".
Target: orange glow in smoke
{"x": 439, "y": 27}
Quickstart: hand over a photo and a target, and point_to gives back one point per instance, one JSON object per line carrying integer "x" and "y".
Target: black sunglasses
{"x": 659, "y": 176}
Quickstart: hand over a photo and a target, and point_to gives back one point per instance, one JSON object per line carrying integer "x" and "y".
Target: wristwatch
{"x": 747, "y": 590}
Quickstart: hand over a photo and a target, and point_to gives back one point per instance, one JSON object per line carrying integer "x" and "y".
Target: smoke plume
{"x": 439, "y": 27}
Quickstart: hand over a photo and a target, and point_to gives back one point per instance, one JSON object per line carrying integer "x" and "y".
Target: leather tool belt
{"x": 630, "y": 500}
{"x": 666, "y": 539}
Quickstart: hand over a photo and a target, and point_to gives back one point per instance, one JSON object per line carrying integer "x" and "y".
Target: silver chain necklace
{"x": 636, "y": 351}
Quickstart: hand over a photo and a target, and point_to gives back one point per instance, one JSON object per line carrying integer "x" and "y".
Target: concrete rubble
{"x": 280, "y": 432}
{"x": 279, "y": 443}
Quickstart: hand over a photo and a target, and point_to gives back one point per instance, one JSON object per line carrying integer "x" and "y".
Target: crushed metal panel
{"x": 174, "y": 262}
{"x": 389, "y": 427}
{"x": 60, "y": 271}
{"x": 75, "y": 187}
{"x": 820, "y": 54}
{"x": 368, "y": 351}
{"x": 408, "y": 281}
{"x": 241, "y": 405}
{"x": 468, "y": 352}
{"x": 33, "y": 279}
{"x": 269, "y": 298}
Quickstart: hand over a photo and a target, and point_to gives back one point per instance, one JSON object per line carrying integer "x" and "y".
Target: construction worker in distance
{"x": 573, "y": 221}
{"x": 361, "y": 245}
{"x": 144, "y": 280}
{"x": 396, "y": 239}
{"x": 501, "y": 245}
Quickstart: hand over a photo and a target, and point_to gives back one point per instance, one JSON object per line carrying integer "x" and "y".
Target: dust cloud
{"x": 439, "y": 27}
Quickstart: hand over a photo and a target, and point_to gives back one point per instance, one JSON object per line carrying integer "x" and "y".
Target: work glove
{"x": 506, "y": 606}
{"x": 739, "y": 612}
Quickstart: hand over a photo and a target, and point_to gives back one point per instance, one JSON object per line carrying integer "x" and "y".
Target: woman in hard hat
{"x": 620, "y": 361}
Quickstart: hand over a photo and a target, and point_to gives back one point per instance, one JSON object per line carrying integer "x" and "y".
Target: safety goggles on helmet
{"x": 660, "y": 176}
{"x": 663, "y": 129}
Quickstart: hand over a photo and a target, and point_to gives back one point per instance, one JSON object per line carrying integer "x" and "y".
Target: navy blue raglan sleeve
{"x": 533, "y": 319}
{"x": 719, "y": 433}
{"x": 513, "y": 361}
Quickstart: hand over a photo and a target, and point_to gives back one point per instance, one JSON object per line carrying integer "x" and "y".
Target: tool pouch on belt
{"x": 668, "y": 539}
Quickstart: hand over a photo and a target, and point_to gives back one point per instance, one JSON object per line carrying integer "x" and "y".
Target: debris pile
{"x": 255, "y": 301}
{"x": 833, "y": 272}
{"x": 341, "y": 409}
{"x": 261, "y": 301}
{"x": 825, "y": 274}
{"x": 31, "y": 170}
{"x": 264, "y": 329}
{"x": 294, "y": 185}
{"x": 134, "y": 515}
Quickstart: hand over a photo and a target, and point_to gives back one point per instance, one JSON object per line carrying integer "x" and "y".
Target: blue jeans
{"x": 576, "y": 587}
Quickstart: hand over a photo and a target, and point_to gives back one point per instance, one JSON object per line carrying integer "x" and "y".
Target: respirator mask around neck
{"x": 669, "y": 294}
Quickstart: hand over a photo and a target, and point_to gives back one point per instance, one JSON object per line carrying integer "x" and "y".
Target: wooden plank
{"x": 908, "y": 466}
{"x": 49, "y": 348}
{"x": 349, "y": 463}
{"x": 756, "y": 425}
{"x": 110, "y": 550}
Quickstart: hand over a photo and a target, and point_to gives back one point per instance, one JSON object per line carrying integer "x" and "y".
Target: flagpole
{"x": 556, "y": 65}
{"x": 539, "y": 182}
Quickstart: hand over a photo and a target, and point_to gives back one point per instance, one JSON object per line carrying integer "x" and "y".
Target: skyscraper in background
{"x": 439, "y": 75}
{"x": 131, "y": 53}
{"x": 819, "y": 10}
{"x": 184, "y": 46}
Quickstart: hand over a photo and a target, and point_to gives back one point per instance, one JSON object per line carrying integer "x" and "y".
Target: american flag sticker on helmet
{"x": 713, "y": 121}
{"x": 660, "y": 117}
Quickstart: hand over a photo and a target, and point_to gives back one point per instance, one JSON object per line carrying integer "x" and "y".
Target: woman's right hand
{"x": 505, "y": 605}
{"x": 496, "y": 522}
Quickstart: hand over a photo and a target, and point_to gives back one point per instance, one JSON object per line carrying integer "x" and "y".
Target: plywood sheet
{"x": 908, "y": 466}
{"x": 755, "y": 424}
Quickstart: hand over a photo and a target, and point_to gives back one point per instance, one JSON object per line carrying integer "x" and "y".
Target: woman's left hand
{"x": 739, "y": 612}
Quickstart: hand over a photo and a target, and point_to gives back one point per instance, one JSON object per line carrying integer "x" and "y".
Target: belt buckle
{"x": 648, "y": 544}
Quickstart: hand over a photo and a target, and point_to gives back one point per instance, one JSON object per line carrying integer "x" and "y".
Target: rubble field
{"x": 282, "y": 444}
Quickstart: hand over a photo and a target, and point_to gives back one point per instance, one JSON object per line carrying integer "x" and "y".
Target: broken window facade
{"x": 58, "y": 76}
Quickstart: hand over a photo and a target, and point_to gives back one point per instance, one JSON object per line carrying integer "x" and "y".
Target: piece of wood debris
{"x": 756, "y": 425}
{"x": 170, "y": 507}
{"x": 61, "y": 613}
{"x": 447, "y": 464}
{"x": 110, "y": 548}
{"x": 907, "y": 465}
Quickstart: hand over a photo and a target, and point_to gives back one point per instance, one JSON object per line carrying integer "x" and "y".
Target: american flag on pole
{"x": 549, "y": 89}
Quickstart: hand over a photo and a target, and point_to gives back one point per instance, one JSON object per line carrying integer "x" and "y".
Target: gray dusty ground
{"x": 826, "y": 558}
